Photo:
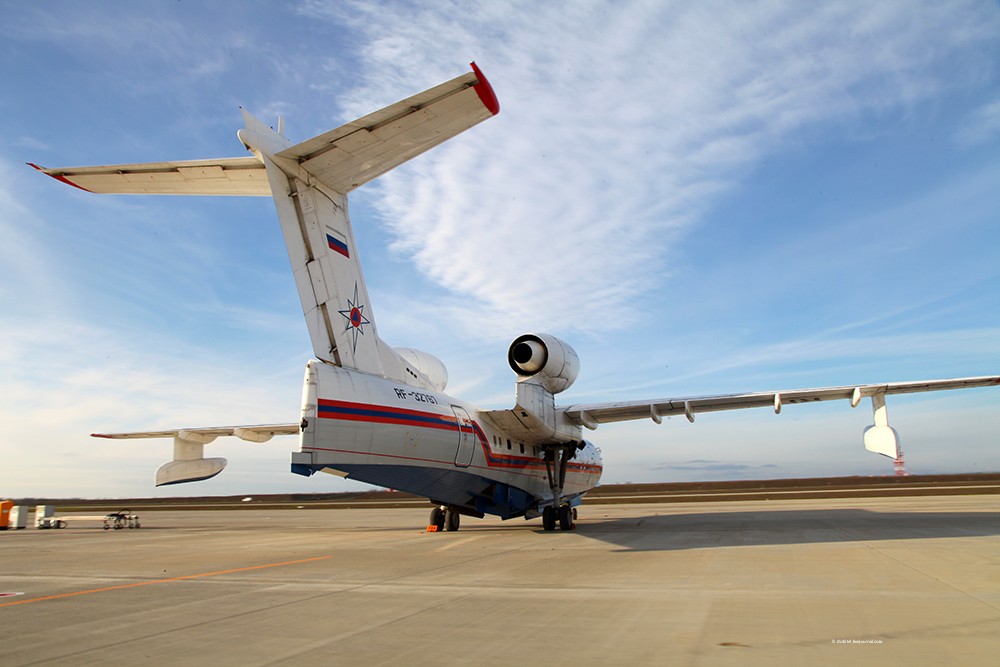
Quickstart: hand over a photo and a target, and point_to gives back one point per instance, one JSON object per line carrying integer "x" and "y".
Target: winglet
{"x": 485, "y": 91}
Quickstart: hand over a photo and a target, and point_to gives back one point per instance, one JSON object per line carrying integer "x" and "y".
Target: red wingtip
{"x": 58, "y": 178}
{"x": 485, "y": 91}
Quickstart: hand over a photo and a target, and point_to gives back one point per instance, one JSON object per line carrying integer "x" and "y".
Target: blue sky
{"x": 701, "y": 199}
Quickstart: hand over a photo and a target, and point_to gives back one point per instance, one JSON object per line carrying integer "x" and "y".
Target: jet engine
{"x": 545, "y": 358}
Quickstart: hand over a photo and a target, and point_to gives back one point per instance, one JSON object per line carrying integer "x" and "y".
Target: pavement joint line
{"x": 868, "y": 545}
{"x": 349, "y": 589}
{"x": 240, "y": 569}
{"x": 162, "y": 581}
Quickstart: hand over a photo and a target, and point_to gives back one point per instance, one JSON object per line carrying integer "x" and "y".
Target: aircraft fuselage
{"x": 424, "y": 442}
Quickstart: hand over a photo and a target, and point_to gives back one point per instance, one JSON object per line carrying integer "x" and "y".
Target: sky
{"x": 700, "y": 198}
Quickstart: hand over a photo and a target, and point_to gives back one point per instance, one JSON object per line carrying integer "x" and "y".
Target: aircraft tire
{"x": 549, "y": 518}
{"x": 565, "y": 518}
{"x": 437, "y": 518}
{"x": 452, "y": 520}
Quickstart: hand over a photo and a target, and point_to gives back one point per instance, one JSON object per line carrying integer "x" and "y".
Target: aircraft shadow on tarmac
{"x": 674, "y": 532}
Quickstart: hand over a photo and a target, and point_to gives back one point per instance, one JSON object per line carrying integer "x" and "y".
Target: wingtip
{"x": 58, "y": 177}
{"x": 485, "y": 91}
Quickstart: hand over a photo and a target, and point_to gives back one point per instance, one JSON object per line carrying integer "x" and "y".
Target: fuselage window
{"x": 522, "y": 448}
{"x": 508, "y": 444}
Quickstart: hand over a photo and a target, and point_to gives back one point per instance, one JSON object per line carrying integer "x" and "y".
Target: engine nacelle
{"x": 427, "y": 364}
{"x": 546, "y": 357}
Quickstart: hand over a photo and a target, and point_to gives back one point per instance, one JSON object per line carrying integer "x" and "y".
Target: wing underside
{"x": 593, "y": 414}
{"x": 189, "y": 463}
{"x": 243, "y": 176}
{"x": 359, "y": 151}
{"x": 256, "y": 433}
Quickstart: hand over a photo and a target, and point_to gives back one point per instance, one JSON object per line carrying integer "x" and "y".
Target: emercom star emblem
{"x": 355, "y": 316}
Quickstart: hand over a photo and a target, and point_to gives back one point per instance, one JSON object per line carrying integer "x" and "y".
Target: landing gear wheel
{"x": 549, "y": 518}
{"x": 437, "y": 519}
{"x": 451, "y": 520}
{"x": 565, "y": 518}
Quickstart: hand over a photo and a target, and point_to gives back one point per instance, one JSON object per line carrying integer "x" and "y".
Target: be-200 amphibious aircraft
{"x": 379, "y": 414}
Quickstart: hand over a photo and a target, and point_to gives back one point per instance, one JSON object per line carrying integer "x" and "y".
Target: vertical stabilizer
{"x": 324, "y": 257}
{"x": 310, "y": 181}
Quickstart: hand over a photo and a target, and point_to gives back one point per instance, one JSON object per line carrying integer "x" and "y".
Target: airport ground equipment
{"x": 121, "y": 519}
{"x": 18, "y": 517}
{"x": 44, "y": 516}
{"x": 379, "y": 414}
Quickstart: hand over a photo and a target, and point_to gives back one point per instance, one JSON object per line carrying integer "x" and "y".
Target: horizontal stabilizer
{"x": 243, "y": 176}
{"x": 353, "y": 154}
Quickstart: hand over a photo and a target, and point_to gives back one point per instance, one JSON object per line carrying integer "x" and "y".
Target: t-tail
{"x": 310, "y": 182}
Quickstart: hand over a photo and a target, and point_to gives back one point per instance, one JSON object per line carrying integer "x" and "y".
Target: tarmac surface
{"x": 911, "y": 580}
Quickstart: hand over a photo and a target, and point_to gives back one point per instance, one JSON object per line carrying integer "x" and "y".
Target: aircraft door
{"x": 466, "y": 437}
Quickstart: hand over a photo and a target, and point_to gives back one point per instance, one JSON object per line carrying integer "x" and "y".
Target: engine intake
{"x": 546, "y": 357}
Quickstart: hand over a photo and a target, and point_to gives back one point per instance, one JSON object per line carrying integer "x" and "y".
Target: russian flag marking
{"x": 337, "y": 242}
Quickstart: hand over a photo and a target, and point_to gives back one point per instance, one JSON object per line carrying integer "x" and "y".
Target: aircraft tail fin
{"x": 310, "y": 182}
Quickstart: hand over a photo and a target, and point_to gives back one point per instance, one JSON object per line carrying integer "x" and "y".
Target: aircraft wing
{"x": 227, "y": 176}
{"x": 190, "y": 464}
{"x": 592, "y": 414}
{"x": 258, "y": 433}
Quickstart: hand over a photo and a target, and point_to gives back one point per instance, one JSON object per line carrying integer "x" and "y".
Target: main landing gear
{"x": 443, "y": 518}
{"x": 566, "y": 516}
{"x": 557, "y": 458}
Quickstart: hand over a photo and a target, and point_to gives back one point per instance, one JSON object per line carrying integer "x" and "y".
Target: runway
{"x": 890, "y": 580}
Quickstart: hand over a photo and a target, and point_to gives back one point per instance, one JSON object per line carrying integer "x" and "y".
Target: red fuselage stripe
{"x": 380, "y": 414}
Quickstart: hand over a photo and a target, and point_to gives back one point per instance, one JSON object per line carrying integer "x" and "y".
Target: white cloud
{"x": 67, "y": 373}
{"x": 981, "y": 127}
{"x": 32, "y": 143}
{"x": 618, "y": 126}
{"x": 621, "y": 126}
